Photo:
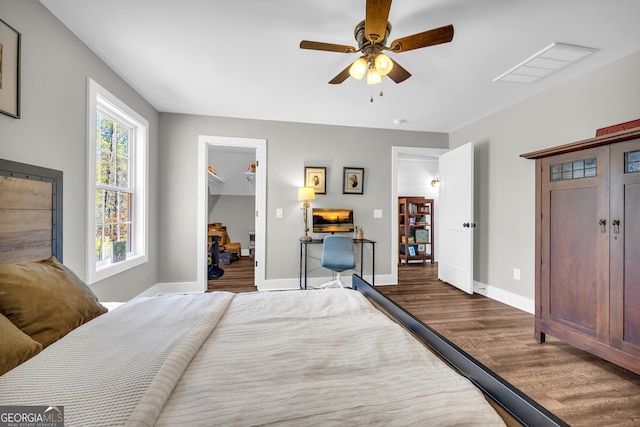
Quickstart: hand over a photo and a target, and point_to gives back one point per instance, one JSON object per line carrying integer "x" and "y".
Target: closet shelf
{"x": 215, "y": 179}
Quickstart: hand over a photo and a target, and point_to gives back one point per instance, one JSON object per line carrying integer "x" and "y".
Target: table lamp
{"x": 305, "y": 194}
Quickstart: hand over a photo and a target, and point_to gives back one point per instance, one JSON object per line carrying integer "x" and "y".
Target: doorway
{"x": 206, "y": 145}
{"x": 399, "y": 156}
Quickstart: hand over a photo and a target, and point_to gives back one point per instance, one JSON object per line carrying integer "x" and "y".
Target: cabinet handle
{"x": 603, "y": 225}
{"x": 616, "y": 226}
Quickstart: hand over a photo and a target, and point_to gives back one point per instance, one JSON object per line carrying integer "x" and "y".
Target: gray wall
{"x": 504, "y": 202}
{"x": 290, "y": 146}
{"x": 52, "y": 131}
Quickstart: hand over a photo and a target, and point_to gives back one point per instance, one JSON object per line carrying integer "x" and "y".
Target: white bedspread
{"x": 119, "y": 368}
{"x": 296, "y": 358}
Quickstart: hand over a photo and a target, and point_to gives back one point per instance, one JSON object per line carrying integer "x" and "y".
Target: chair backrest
{"x": 337, "y": 253}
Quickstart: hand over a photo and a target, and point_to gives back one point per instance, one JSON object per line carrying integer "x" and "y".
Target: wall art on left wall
{"x": 9, "y": 70}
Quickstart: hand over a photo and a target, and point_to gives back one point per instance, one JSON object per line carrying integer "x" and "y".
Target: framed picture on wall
{"x": 353, "y": 180}
{"x": 9, "y": 70}
{"x": 316, "y": 177}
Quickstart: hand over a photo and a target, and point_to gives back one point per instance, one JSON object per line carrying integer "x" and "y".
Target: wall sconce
{"x": 435, "y": 182}
{"x": 305, "y": 194}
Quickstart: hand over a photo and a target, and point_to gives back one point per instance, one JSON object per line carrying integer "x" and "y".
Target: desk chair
{"x": 337, "y": 256}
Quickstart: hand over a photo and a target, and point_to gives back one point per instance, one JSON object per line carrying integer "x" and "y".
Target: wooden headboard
{"x": 30, "y": 212}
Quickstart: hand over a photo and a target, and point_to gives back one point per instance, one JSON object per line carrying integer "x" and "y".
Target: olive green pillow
{"x": 45, "y": 299}
{"x": 16, "y": 346}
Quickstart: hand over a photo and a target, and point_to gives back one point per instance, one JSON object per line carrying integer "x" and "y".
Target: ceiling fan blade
{"x": 329, "y": 47}
{"x": 375, "y": 24}
{"x": 427, "y": 38}
{"x": 342, "y": 76}
{"x": 397, "y": 73}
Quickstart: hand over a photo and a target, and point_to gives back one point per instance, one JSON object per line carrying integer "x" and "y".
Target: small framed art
{"x": 316, "y": 177}
{"x": 9, "y": 70}
{"x": 353, "y": 180}
{"x": 412, "y": 251}
{"x": 118, "y": 251}
{"x": 422, "y": 236}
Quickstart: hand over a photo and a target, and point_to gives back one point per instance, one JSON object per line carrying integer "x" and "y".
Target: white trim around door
{"x": 260, "y": 145}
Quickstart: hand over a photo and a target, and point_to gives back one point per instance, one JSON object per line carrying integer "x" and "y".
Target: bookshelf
{"x": 415, "y": 230}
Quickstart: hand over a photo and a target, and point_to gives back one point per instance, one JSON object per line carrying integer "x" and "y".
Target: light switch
{"x": 279, "y": 213}
{"x": 377, "y": 213}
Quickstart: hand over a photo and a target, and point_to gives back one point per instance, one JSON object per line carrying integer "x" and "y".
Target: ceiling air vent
{"x": 547, "y": 61}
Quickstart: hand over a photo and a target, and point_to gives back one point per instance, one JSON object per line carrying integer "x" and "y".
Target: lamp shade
{"x": 358, "y": 68}
{"x": 373, "y": 77}
{"x": 383, "y": 64}
{"x": 306, "y": 193}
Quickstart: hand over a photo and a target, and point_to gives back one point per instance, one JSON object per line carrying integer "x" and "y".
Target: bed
{"x": 317, "y": 357}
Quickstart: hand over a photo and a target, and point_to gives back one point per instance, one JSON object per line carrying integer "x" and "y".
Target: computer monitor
{"x": 332, "y": 220}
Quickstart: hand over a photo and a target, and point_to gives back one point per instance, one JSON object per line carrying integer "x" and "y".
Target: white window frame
{"x": 99, "y": 97}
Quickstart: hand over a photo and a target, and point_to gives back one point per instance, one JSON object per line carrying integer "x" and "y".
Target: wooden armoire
{"x": 587, "y": 263}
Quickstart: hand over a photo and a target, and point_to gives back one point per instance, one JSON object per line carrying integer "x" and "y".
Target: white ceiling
{"x": 242, "y": 58}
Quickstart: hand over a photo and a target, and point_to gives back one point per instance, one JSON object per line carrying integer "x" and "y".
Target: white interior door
{"x": 455, "y": 261}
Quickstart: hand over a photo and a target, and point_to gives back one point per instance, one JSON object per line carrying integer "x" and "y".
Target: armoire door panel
{"x": 625, "y": 247}
{"x": 573, "y": 262}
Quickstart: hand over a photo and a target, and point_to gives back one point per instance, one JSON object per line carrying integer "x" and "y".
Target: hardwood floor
{"x": 237, "y": 277}
{"x": 581, "y": 389}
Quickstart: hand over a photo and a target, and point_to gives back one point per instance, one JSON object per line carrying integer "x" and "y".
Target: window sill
{"x": 111, "y": 269}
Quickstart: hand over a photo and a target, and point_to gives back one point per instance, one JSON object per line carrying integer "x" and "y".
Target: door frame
{"x": 396, "y": 151}
{"x": 260, "y": 145}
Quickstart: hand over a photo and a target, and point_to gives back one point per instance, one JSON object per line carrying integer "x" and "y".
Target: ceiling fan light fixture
{"x": 373, "y": 76}
{"x": 383, "y": 64}
{"x": 358, "y": 68}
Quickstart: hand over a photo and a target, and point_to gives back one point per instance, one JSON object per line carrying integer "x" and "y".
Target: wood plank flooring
{"x": 581, "y": 389}
{"x": 237, "y": 277}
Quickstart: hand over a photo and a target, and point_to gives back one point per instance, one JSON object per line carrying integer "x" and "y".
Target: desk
{"x": 304, "y": 257}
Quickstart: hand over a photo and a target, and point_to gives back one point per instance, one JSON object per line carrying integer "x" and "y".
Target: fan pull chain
{"x": 371, "y": 88}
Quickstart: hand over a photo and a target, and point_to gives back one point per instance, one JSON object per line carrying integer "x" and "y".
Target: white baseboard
{"x": 505, "y": 297}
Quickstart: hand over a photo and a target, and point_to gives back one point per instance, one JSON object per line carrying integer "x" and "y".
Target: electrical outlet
{"x": 278, "y": 213}
{"x": 377, "y": 213}
{"x": 516, "y": 273}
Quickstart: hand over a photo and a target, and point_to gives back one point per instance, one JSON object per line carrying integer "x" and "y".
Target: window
{"x": 586, "y": 168}
{"x": 117, "y": 186}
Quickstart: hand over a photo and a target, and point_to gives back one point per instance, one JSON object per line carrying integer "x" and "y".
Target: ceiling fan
{"x": 371, "y": 35}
